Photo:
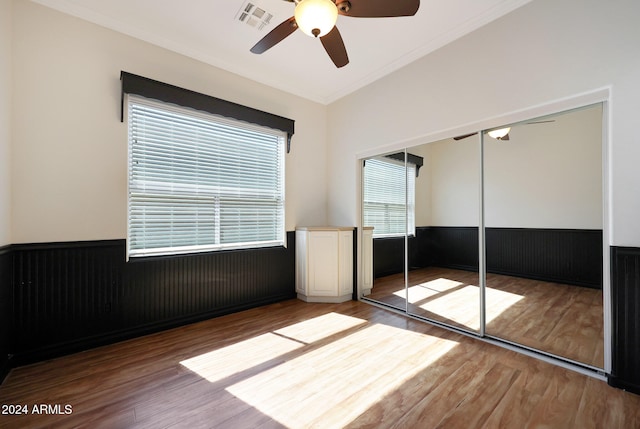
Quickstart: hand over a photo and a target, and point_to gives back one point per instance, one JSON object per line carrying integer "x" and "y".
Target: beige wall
{"x": 454, "y": 170}
{"x": 70, "y": 148}
{"x": 5, "y": 121}
{"x": 542, "y": 53}
{"x": 548, "y": 175}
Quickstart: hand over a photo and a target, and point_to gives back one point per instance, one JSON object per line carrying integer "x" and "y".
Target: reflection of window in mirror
{"x": 386, "y": 206}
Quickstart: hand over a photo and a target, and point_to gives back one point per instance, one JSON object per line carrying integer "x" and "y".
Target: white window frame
{"x": 204, "y": 192}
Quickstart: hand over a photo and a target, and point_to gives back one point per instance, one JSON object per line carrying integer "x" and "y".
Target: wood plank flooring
{"x": 560, "y": 319}
{"x": 301, "y": 365}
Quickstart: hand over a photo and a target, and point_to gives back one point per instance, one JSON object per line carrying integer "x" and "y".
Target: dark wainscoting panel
{"x": 72, "y": 296}
{"x": 454, "y": 247}
{"x": 451, "y": 247}
{"x": 63, "y": 292}
{"x": 388, "y": 253}
{"x": 625, "y": 291}
{"x": 420, "y": 249}
{"x": 567, "y": 256}
{"x": 6, "y": 310}
{"x": 571, "y": 256}
{"x": 388, "y": 256}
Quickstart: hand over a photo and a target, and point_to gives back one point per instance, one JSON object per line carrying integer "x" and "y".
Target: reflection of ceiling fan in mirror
{"x": 502, "y": 133}
{"x": 317, "y": 18}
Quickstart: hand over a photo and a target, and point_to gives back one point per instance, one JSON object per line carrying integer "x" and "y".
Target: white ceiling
{"x": 209, "y": 31}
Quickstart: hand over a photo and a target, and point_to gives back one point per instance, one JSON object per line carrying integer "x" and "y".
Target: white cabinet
{"x": 324, "y": 263}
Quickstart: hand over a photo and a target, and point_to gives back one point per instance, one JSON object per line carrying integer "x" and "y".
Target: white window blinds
{"x": 389, "y": 197}
{"x": 199, "y": 182}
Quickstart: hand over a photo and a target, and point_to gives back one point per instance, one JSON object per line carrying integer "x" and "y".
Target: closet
{"x": 498, "y": 234}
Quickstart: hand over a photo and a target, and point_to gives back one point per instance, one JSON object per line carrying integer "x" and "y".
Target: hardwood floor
{"x": 560, "y": 319}
{"x": 300, "y": 365}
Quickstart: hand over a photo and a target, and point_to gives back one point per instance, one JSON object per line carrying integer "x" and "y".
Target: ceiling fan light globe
{"x": 499, "y": 133}
{"x": 316, "y": 17}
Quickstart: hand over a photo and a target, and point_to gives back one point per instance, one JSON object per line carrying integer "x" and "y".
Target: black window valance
{"x": 414, "y": 159}
{"x": 134, "y": 84}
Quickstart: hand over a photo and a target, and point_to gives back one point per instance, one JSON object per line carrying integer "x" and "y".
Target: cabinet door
{"x": 323, "y": 263}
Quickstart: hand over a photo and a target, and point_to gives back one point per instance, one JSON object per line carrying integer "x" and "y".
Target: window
{"x": 201, "y": 182}
{"x": 386, "y": 197}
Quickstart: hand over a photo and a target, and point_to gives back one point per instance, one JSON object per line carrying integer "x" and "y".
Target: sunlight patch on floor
{"x": 227, "y": 361}
{"x": 321, "y": 327}
{"x": 428, "y": 289}
{"x": 332, "y": 385}
{"x": 461, "y": 306}
{"x": 498, "y": 301}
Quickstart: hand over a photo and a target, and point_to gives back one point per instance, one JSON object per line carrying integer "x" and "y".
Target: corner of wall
{"x": 6, "y": 135}
{"x": 6, "y": 107}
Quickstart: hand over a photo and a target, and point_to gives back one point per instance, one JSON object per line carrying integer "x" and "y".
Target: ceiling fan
{"x": 317, "y": 18}
{"x": 501, "y": 133}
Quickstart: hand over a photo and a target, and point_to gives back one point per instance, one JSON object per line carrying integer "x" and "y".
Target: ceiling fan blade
{"x": 377, "y": 8}
{"x": 333, "y": 44}
{"x": 275, "y": 36}
{"x": 464, "y": 136}
{"x": 540, "y": 122}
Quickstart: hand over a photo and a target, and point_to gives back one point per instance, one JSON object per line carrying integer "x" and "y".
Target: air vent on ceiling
{"x": 253, "y": 15}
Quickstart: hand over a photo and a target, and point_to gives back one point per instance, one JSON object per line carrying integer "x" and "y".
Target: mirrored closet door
{"x": 543, "y": 229}
{"x": 528, "y": 198}
{"x": 442, "y": 271}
